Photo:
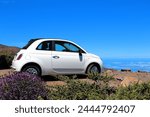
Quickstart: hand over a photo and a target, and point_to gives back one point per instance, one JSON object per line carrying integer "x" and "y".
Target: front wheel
{"x": 32, "y": 69}
{"x": 93, "y": 69}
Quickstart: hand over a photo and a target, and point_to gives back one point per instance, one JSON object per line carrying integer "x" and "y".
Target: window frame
{"x": 53, "y": 47}
{"x": 50, "y": 49}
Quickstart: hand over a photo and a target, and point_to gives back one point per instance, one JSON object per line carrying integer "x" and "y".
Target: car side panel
{"x": 42, "y": 58}
{"x": 67, "y": 62}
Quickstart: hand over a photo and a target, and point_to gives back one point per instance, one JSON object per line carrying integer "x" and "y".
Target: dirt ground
{"x": 121, "y": 78}
{"x": 5, "y": 72}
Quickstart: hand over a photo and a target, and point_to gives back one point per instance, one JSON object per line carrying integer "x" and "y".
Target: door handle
{"x": 56, "y": 57}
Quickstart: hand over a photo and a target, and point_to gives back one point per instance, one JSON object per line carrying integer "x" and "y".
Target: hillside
{"x": 8, "y": 49}
{"x": 6, "y": 55}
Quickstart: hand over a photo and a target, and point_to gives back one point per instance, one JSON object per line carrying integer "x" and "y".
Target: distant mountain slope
{"x": 8, "y": 49}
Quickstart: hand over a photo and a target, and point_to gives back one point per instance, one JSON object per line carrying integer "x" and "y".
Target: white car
{"x": 55, "y": 56}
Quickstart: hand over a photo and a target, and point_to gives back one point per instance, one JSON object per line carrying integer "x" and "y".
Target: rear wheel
{"x": 32, "y": 69}
{"x": 93, "y": 68}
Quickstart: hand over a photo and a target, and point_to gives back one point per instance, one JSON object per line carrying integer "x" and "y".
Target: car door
{"x": 42, "y": 56}
{"x": 66, "y": 58}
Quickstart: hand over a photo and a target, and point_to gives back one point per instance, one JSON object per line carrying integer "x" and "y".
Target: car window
{"x": 45, "y": 46}
{"x": 59, "y": 47}
{"x": 71, "y": 47}
{"x": 65, "y": 47}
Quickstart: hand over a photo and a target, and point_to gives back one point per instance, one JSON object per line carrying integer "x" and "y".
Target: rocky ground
{"x": 123, "y": 78}
{"x": 127, "y": 77}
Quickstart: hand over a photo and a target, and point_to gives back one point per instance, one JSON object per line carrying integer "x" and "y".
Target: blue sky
{"x": 108, "y": 28}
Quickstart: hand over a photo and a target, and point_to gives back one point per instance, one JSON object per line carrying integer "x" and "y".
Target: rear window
{"x": 46, "y": 45}
{"x": 29, "y": 43}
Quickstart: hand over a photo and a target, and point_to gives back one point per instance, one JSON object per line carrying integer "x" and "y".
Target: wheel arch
{"x": 32, "y": 63}
{"x": 94, "y": 63}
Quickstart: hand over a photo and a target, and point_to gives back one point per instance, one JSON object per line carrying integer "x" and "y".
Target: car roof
{"x": 45, "y": 39}
{"x": 52, "y": 39}
{"x": 38, "y": 40}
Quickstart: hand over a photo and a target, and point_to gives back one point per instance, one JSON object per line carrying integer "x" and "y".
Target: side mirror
{"x": 80, "y": 52}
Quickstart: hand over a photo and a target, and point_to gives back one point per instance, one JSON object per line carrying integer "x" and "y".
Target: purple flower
{"x": 22, "y": 86}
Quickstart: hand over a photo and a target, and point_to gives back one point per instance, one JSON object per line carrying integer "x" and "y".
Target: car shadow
{"x": 54, "y": 78}
{"x": 49, "y": 78}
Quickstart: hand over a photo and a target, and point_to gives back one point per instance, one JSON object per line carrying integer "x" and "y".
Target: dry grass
{"x": 5, "y": 72}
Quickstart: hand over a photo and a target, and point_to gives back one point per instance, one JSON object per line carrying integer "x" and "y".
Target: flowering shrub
{"x": 22, "y": 86}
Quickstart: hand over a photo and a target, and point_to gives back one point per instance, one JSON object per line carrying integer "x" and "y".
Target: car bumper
{"x": 15, "y": 65}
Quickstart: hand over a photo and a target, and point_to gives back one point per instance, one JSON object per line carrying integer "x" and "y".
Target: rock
{"x": 126, "y": 70}
{"x": 119, "y": 79}
{"x": 139, "y": 71}
{"x": 130, "y": 80}
{"x": 109, "y": 72}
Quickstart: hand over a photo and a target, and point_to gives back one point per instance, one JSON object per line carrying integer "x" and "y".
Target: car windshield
{"x": 29, "y": 43}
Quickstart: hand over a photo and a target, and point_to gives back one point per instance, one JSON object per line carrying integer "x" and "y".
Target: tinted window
{"x": 71, "y": 47}
{"x": 65, "y": 47}
{"x": 46, "y": 45}
{"x": 59, "y": 47}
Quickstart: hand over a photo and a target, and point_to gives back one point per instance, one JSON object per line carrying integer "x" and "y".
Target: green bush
{"x": 133, "y": 92}
{"x": 27, "y": 86}
{"x": 98, "y": 89}
{"x": 80, "y": 90}
{"x": 6, "y": 59}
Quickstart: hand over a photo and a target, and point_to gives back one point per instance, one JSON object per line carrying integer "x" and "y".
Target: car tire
{"x": 93, "y": 68}
{"x": 32, "y": 69}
